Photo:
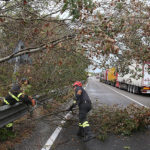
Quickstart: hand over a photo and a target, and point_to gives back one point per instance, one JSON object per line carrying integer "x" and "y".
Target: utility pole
{"x": 23, "y": 59}
{"x": 19, "y": 46}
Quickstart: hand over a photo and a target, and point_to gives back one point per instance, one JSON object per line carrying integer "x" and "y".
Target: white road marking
{"x": 53, "y": 137}
{"x": 51, "y": 140}
{"x": 127, "y": 97}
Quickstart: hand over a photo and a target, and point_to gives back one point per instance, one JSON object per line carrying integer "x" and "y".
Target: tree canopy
{"x": 59, "y": 31}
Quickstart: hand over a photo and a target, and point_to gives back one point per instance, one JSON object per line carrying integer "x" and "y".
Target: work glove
{"x": 33, "y": 101}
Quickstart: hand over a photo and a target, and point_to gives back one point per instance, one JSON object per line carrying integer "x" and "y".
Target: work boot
{"x": 10, "y": 129}
{"x": 80, "y": 132}
{"x": 88, "y": 135}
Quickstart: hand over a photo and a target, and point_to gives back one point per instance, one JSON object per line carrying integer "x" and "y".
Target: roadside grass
{"x": 119, "y": 120}
{"x": 6, "y": 134}
{"x": 21, "y": 130}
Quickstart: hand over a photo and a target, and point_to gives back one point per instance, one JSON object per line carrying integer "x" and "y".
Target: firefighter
{"x": 16, "y": 94}
{"x": 83, "y": 101}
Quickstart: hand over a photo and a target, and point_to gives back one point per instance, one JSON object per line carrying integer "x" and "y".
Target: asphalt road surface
{"x": 104, "y": 94}
{"x": 67, "y": 140}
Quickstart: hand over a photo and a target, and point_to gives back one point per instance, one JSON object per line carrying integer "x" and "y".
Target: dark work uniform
{"x": 15, "y": 95}
{"x": 84, "y": 103}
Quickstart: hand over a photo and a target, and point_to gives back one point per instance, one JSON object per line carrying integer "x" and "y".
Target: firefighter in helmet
{"x": 83, "y": 101}
{"x": 16, "y": 94}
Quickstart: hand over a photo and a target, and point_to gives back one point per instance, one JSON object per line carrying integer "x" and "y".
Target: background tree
{"x": 58, "y": 64}
{"x": 120, "y": 30}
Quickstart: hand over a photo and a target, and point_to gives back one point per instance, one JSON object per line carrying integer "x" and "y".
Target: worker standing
{"x": 16, "y": 94}
{"x": 83, "y": 101}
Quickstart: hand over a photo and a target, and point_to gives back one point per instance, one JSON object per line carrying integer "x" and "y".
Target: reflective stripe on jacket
{"x": 6, "y": 102}
{"x": 14, "y": 97}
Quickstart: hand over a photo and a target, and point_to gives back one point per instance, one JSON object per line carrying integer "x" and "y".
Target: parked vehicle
{"x": 137, "y": 80}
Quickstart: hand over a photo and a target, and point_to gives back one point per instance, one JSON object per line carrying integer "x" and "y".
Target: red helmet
{"x": 77, "y": 83}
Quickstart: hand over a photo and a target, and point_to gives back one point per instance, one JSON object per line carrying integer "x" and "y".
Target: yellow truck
{"x": 111, "y": 76}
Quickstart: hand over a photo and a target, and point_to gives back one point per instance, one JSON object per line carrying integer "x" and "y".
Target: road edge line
{"x": 127, "y": 97}
{"x": 53, "y": 137}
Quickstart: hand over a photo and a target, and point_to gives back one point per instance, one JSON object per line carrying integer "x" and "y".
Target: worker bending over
{"x": 83, "y": 101}
{"x": 16, "y": 94}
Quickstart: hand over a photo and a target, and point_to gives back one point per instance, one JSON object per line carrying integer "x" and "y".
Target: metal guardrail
{"x": 11, "y": 113}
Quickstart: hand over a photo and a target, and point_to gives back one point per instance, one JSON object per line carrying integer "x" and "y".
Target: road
{"x": 107, "y": 94}
{"x": 104, "y": 94}
{"x": 100, "y": 94}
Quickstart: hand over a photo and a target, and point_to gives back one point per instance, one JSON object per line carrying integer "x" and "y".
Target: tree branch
{"x": 33, "y": 50}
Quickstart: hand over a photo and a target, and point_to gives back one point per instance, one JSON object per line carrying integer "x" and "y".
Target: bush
{"x": 119, "y": 120}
